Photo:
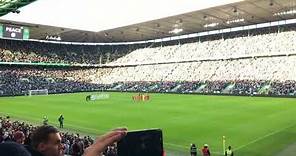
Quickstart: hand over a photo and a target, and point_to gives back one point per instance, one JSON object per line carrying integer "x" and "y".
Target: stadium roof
{"x": 199, "y": 19}
{"x": 97, "y": 15}
{"x": 7, "y": 6}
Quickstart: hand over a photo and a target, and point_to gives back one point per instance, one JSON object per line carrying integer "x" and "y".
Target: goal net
{"x": 38, "y": 92}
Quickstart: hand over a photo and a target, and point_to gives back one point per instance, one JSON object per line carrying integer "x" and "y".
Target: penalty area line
{"x": 265, "y": 136}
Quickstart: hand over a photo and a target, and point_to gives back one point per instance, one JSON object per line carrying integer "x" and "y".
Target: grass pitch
{"x": 254, "y": 126}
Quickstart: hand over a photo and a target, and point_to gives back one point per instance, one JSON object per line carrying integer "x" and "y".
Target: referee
{"x": 61, "y": 121}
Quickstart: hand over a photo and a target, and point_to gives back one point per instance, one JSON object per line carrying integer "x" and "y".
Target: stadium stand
{"x": 240, "y": 48}
{"x": 17, "y": 81}
{"x": 30, "y": 51}
{"x": 253, "y": 62}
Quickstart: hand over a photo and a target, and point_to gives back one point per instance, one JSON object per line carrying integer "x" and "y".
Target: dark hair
{"x": 41, "y": 135}
{"x": 13, "y": 149}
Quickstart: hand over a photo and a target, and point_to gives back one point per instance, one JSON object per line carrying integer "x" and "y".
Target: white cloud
{"x": 97, "y": 15}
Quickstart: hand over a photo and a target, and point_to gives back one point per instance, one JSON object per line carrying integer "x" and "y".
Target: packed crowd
{"x": 286, "y": 88}
{"x": 241, "y": 87}
{"x": 218, "y": 64}
{"x": 272, "y": 68}
{"x": 18, "y": 81}
{"x": 255, "y": 44}
{"x": 33, "y": 51}
{"x": 267, "y": 41}
{"x": 245, "y": 87}
{"x": 21, "y": 133}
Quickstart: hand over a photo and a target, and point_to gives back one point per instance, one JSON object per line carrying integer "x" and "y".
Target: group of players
{"x": 136, "y": 98}
{"x": 141, "y": 97}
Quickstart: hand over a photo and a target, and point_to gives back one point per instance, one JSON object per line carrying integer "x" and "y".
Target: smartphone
{"x": 141, "y": 143}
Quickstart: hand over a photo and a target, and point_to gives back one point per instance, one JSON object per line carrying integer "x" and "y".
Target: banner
{"x": 100, "y": 96}
{"x": 26, "y": 33}
{"x": 12, "y": 31}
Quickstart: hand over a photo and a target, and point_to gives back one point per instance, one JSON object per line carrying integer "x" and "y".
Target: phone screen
{"x": 141, "y": 143}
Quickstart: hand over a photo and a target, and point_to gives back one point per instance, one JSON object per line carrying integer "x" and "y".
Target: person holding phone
{"x": 145, "y": 142}
{"x": 104, "y": 141}
{"x": 134, "y": 143}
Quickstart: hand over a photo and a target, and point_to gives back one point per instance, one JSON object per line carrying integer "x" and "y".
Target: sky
{"x": 99, "y": 15}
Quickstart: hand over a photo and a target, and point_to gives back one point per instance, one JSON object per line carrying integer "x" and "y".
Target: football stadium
{"x": 215, "y": 78}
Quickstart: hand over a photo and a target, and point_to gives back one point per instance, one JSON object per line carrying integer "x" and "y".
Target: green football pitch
{"x": 254, "y": 126}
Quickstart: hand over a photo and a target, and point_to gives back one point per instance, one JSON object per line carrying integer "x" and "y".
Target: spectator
{"x": 19, "y": 137}
{"x": 46, "y": 141}
{"x": 13, "y": 149}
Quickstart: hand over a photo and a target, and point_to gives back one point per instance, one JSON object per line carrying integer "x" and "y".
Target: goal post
{"x": 38, "y": 92}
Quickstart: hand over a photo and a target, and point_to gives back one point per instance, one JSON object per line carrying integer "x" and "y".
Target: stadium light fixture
{"x": 157, "y": 25}
{"x": 176, "y": 31}
{"x": 179, "y": 21}
{"x": 286, "y": 12}
{"x": 235, "y": 21}
{"x": 234, "y": 10}
{"x": 211, "y": 25}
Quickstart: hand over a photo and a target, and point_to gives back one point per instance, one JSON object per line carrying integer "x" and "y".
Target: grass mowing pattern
{"x": 254, "y": 126}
